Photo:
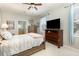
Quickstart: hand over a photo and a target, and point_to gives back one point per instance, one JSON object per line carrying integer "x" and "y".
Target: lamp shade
{"x": 4, "y": 26}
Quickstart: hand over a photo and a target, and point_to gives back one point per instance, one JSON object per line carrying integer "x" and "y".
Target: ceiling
{"x": 23, "y": 8}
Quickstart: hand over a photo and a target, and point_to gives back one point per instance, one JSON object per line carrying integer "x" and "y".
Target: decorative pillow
{"x": 6, "y": 35}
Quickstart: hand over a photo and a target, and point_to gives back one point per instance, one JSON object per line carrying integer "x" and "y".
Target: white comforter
{"x": 18, "y": 44}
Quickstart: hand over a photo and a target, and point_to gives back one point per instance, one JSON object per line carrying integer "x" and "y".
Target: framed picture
{"x": 11, "y": 24}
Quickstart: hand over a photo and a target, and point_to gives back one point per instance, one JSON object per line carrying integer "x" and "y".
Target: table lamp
{"x": 4, "y": 26}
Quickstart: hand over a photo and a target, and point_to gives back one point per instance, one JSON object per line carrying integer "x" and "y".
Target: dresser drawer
{"x": 49, "y": 40}
{"x": 52, "y": 38}
{"x": 52, "y": 35}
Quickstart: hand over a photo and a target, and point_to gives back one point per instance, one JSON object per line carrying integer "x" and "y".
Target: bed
{"x": 21, "y": 45}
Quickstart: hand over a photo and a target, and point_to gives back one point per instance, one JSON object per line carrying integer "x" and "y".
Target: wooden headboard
{"x": 1, "y": 37}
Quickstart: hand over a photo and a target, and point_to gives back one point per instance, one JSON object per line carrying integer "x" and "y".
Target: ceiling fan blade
{"x": 29, "y": 7}
{"x": 36, "y": 8}
{"x": 27, "y": 3}
{"x": 38, "y": 4}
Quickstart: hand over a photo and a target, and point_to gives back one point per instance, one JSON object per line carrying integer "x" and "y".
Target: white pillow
{"x": 6, "y": 35}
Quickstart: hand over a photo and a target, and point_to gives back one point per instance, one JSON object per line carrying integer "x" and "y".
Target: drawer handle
{"x": 48, "y": 31}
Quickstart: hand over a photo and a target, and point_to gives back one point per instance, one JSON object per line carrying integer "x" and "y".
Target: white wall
{"x": 13, "y": 16}
{"x": 10, "y": 15}
{"x": 62, "y": 13}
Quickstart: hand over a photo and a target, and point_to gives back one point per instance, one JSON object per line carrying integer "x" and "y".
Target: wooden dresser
{"x": 54, "y": 36}
{"x": 32, "y": 28}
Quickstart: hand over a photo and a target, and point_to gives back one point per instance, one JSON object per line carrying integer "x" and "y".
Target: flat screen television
{"x": 53, "y": 24}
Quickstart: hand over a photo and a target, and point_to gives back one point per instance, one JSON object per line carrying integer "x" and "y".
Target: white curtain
{"x": 43, "y": 25}
{"x": 70, "y": 22}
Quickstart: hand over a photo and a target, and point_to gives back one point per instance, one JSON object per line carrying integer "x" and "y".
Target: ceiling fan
{"x": 33, "y": 5}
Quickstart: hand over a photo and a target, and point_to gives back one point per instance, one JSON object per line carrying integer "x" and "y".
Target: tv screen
{"x": 53, "y": 24}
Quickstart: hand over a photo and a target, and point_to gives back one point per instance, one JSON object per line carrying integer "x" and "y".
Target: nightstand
{"x": 0, "y": 39}
{"x": 0, "y": 42}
